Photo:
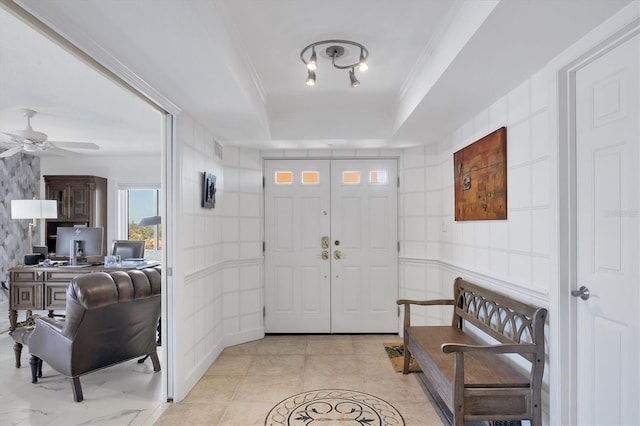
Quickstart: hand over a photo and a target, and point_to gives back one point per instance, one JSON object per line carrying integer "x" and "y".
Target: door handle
{"x": 324, "y": 243}
{"x": 324, "y": 255}
{"x": 582, "y": 293}
{"x": 337, "y": 255}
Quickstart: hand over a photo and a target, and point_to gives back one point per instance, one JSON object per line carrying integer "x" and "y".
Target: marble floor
{"x": 240, "y": 388}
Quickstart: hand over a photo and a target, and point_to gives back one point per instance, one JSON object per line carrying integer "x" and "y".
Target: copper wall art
{"x": 480, "y": 178}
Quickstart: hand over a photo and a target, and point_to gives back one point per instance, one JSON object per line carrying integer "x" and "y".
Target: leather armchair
{"x": 110, "y": 318}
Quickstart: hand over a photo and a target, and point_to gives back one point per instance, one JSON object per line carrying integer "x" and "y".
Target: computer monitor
{"x": 128, "y": 249}
{"x": 91, "y": 240}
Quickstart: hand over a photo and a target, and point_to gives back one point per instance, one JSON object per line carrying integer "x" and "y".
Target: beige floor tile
{"x": 284, "y": 346}
{"x": 245, "y": 414}
{"x": 230, "y": 365}
{"x": 350, "y": 382}
{"x": 402, "y": 388}
{"x": 330, "y": 346}
{"x": 268, "y": 388}
{"x": 418, "y": 414}
{"x": 249, "y": 348}
{"x": 331, "y": 365}
{"x": 276, "y": 365}
{"x": 213, "y": 388}
{"x": 191, "y": 414}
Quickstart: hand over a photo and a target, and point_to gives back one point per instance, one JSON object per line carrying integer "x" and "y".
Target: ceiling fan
{"x": 30, "y": 141}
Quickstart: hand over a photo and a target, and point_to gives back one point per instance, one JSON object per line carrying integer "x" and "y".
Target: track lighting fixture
{"x": 336, "y": 49}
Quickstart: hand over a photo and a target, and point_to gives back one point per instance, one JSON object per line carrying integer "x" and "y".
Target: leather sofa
{"x": 109, "y": 318}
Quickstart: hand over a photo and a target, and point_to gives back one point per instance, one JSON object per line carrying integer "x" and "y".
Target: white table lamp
{"x": 33, "y": 209}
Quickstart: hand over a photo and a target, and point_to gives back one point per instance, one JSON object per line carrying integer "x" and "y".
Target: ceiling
{"x": 234, "y": 66}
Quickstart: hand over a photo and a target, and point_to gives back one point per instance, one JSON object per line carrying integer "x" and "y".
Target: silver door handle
{"x": 582, "y": 293}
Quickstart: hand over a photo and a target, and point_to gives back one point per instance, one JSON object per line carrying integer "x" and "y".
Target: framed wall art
{"x": 208, "y": 190}
{"x": 480, "y": 178}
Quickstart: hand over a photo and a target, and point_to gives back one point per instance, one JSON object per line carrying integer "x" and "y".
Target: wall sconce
{"x": 33, "y": 209}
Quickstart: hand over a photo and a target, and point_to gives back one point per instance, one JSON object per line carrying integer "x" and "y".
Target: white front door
{"x": 330, "y": 246}
{"x": 297, "y": 217}
{"x": 364, "y": 232}
{"x": 607, "y": 240}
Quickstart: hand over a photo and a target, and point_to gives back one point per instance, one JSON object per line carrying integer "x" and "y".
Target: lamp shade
{"x": 150, "y": 220}
{"x": 34, "y": 209}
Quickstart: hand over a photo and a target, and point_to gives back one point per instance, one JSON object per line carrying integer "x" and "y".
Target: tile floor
{"x": 240, "y": 388}
{"x": 247, "y": 380}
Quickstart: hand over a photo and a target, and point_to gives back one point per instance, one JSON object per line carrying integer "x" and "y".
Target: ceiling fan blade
{"x": 60, "y": 151}
{"x": 10, "y": 152}
{"x": 75, "y": 145}
{"x": 10, "y": 138}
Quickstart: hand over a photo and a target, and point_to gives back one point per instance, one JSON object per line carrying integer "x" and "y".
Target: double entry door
{"x": 331, "y": 246}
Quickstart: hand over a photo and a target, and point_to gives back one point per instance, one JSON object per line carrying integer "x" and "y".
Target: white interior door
{"x": 331, "y": 246}
{"x": 364, "y": 232}
{"x": 297, "y": 216}
{"x": 608, "y": 182}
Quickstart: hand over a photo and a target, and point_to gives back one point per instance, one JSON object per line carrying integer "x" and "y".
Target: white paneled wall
{"x": 217, "y": 275}
{"x": 514, "y": 254}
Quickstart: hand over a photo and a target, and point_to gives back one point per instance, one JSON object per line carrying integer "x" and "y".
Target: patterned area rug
{"x": 333, "y": 407}
{"x": 395, "y": 351}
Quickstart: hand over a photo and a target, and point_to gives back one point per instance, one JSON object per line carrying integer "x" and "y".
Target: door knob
{"x": 337, "y": 255}
{"x": 582, "y": 293}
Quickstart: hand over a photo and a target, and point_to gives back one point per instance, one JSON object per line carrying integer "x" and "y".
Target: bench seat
{"x": 480, "y": 370}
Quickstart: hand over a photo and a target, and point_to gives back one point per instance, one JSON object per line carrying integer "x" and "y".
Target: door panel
{"x": 297, "y": 284}
{"x": 364, "y": 221}
{"x": 607, "y": 241}
{"x": 354, "y": 289}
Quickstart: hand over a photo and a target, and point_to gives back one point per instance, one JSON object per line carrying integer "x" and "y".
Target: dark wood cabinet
{"x": 82, "y": 200}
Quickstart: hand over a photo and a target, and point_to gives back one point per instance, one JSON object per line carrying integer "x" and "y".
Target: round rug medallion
{"x": 333, "y": 407}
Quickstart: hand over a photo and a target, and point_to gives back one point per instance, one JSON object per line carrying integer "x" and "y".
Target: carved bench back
{"x": 503, "y": 318}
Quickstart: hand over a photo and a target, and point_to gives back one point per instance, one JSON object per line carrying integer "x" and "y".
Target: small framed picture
{"x": 208, "y": 190}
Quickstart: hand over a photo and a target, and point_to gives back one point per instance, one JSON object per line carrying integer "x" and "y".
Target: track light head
{"x": 362, "y": 63}
{"x": 311, "y": 78}
{"x": 312, "y": 65}
{"x": 352, "y": 77}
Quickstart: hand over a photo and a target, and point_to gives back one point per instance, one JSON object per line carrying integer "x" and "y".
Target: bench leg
{"x": 407, "y": 354}
{"x": 407, "y": 358}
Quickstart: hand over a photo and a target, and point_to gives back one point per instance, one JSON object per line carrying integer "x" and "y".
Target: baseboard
{"x": 243, "y": 337}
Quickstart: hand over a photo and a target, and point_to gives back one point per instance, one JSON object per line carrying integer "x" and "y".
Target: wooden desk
{"x": 33, "y": 288}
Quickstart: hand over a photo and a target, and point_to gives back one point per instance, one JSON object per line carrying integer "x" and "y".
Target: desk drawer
{"x": 25, "y": 276}
{"x": 26, "y": 296}
{"x": 55, "y": 296}
{"x": 62, "y": 276}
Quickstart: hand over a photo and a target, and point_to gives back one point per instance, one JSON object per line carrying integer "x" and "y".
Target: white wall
{"x": 514, "y": 256}
{"x": 217, "y": 275}
{"x": 514, "y": 253}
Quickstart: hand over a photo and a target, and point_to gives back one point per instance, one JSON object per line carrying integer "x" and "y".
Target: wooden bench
{"x": 470, "y": 377}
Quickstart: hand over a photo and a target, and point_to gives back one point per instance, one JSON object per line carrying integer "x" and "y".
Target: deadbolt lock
{"x": 325, "y": 243}
{"x": 336, "y": 242}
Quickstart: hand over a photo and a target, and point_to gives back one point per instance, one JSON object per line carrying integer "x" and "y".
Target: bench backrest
{"x": 501, "y": 317}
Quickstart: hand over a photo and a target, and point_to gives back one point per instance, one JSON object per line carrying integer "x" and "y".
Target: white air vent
{"x": 218, "y": 149}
